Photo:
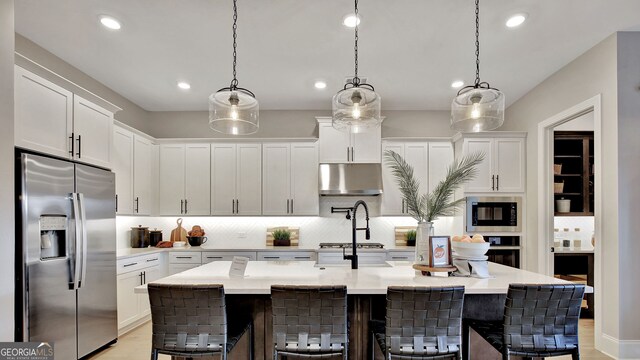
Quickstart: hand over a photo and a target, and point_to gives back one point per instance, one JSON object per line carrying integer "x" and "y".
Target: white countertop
{"x": 130, "y": 252}
{"x": 571, "y": 250}
{"x": 260, "y": 275}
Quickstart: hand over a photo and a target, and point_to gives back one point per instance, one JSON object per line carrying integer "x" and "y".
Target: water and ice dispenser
{"x": 53, "y": 237}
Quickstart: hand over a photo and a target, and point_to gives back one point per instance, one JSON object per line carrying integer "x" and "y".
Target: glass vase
{"x": 424, "y": 230}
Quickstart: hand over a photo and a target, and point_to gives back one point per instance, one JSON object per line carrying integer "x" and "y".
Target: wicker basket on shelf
{"x": 558, "y": 187}
{"x": 557, "y": 169}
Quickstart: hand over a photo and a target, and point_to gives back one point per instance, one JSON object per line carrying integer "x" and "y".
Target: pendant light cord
{"x": 356, "y": 79}
{"x": 234, "y": 82}
{"x": 477, "y": 43}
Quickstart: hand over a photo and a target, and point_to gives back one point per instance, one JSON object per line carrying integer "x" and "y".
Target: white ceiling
{"x": 410, "y": 50}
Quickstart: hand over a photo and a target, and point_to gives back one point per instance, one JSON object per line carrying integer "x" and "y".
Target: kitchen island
{"x": 366, "y": 288}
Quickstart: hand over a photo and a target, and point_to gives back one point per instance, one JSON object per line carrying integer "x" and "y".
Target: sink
{"x": 348, "y": 265}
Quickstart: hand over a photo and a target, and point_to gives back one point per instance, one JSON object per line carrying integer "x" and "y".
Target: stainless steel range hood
{"x": 350, "y": 179}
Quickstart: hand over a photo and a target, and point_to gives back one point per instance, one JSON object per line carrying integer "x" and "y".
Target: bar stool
{"x": 191, "y": 321}
{"x": 539, "y": 321}
{"x": 421, "y": 323}
{"x": 309, "y": 322}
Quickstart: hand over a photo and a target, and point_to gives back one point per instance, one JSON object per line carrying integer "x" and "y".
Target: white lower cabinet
{"x": 180, "y": 261}
{"x": 286, "y": 256}
{"x": 401, "y": 255}
{"x": 335, "y": 257}
{"x": 209, "y": 256}
{"x": 133, "y": 308}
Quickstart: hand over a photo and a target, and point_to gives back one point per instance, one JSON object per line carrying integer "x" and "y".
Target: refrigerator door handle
{"x": 77, "y": 257}
{"x": 84, "y": 238}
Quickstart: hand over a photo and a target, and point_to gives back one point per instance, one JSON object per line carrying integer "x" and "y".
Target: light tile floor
{"x": 137, "y": 345}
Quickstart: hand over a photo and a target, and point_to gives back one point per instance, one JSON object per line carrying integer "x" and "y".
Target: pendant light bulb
{"x": 356, "y": 108}
{"x": 234, "y": 110}
{"x": 477, "y": 107}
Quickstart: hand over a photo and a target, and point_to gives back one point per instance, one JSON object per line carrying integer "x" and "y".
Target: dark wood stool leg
{"x": 576, "y": 354}
{"x": 466, "y": 340}
{"x": 505, "y": 354}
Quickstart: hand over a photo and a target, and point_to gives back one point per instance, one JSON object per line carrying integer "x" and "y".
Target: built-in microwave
{"x": 494, "y": 214}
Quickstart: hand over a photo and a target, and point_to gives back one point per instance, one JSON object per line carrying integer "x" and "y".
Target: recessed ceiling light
{"x": 184, "y": 85}
{"x": 351, "y": 20}
{"x": 516, "y": 20}
{"x": 110, "y": 22}
{"x": 457, "y": 84}
{"x": 320, "y": 85}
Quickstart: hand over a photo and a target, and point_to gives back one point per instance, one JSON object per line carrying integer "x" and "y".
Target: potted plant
{"x": 281, "y": 237}
{"x": 410, "y": 236}
{"x": 426, "y": 208}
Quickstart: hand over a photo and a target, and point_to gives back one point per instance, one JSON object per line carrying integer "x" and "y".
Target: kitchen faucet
{"x": 351, "y": 215}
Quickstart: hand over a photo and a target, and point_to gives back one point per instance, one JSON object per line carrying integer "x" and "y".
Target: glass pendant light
{"x": 356, "y": 108}
{"x": 234, "y": 110}
{"x": 477, "y": 107}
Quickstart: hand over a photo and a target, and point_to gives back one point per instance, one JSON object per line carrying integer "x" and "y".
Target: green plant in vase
{"x": 410, "y": 236}
{"x": 281, "y": 237}
{"x": 426, "y": 208}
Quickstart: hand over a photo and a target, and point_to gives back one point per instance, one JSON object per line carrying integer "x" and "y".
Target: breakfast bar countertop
{"x": 367, "y": 280}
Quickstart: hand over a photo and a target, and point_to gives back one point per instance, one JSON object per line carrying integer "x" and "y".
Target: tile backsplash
{"x": 250, "y": 232}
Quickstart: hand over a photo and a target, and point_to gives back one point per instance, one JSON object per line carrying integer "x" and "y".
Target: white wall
{"x": 628, "y": 149}
{"x": 611, "y": 70}
{"x": 296, "y": 123}
{"x": 7, "y": 235}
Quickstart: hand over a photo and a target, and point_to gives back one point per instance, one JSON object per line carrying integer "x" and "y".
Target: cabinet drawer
{"x": 136, "y": 263}
{"x": 178, "y": 268}
{"x": 209, "y": 256}
{"x": 287, "y": 255}
{"x": 401, "y": 255}
{"x": 185, "y": 257}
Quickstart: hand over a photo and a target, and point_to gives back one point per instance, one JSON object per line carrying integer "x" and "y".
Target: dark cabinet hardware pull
{"x": 186, "y": 209}
{"x": 137, "y": 204}
{"x": 184, "y": 257}
{"x": 181, "y": 206}
{"x": 497, "y": 182}
{"x": 73, "y": 141}
{"x": 79, "y": 153}
{"x": 150, "y": 260}
{"x": 131, "y": 264}
{"x": 493, "y": 181}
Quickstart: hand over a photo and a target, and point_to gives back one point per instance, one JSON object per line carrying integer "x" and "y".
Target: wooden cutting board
{"x": 401, "y": 234}
{"x": 179, "y": 233}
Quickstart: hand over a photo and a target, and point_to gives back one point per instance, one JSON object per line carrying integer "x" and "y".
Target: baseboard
{"x": 620, "y": 349}
{"x": 134, "y": 325}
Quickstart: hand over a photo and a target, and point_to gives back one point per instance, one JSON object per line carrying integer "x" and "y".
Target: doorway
{"x": 550, "y": 188}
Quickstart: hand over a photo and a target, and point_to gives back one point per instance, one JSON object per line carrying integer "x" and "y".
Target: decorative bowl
{"x": 470, "y": 249}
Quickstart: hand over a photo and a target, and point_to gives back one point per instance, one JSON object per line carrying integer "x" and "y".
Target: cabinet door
{"x": 509, "y": 165}
{"x": 198, "y": 179}
{"x": 366, "y": 146}
{"x": 440, "y": 159}
{"x": 417, "y": 155}
{"x": 392, "y": 203}
{"x": 333, "y": 144}
{"x": 142, "y": 175}
{"x": 223, "y": 178}
{"x": 123, "y": 168}
{"x": 249, "y": 179}
{"x": 483, "y": 181}
{"x": 43, "y": 114}
{"x": 92, "y": 126}
{"x": 276, "y": 183}
{"x": 150, "y": 274}
{"x": 128, "y": 309}
{"x": 304, "y": 179}
{"x": 172, "y": 171}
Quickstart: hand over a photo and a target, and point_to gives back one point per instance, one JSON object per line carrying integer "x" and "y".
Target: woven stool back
{"x": 309, "y": 319}
{"x": 423, "y": 320}
{"x": 542, "y": 317}
{"x": 188, "y": 318}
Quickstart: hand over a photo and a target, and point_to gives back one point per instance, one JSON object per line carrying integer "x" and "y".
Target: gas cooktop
{"x": 350, "y": 245}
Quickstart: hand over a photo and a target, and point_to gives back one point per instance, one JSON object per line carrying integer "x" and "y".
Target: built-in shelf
{"x": 573, "y": 150}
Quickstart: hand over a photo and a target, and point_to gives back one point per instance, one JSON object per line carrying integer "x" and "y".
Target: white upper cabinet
{"x": 43, "y": 114}
{"x": 342, "y": 147}
{"x": 122, "y": 165}
{"x": 92, "y": 128}
{"x": 142, "y": 175}
{"x": 185, "y": 179}
{"x": 236, "y": 179}
{"x": 429, "y": 161}
{"x": 290, "y": 179}
{"x": 52, "y": 120}
{"x": 440, "y": 159}
{"x": 503, "y": 169}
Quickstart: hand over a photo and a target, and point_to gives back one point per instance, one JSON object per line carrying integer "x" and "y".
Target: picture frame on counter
{"x": 440, "y": 251}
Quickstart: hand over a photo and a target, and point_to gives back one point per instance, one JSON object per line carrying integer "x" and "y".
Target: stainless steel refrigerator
{"x": 65, "y": 255}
